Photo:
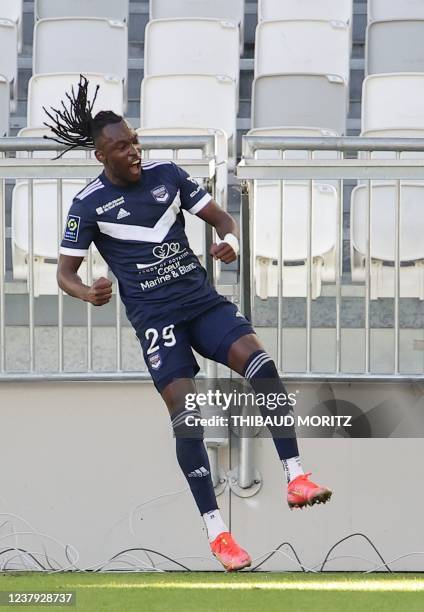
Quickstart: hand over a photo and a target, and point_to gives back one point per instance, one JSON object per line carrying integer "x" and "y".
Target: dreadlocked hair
{"x": 74, "y": 126}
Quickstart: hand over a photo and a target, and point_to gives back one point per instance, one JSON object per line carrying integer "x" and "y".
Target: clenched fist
{"x": 100, "y": 292}
{"x": 223, "y": 251}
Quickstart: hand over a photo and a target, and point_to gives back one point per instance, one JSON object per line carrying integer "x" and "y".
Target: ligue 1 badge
{"x": 155, "y": 361}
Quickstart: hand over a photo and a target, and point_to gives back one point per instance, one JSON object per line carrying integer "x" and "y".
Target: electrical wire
{"x": 72, "y": 554}
{"x": 354, "y": 535}
{"x": 271, "y": 553}
{"x": 150, "y": 551}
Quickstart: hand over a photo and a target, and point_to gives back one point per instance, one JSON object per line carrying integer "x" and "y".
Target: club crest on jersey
{"x": 155, "y": 361}
{"x": 160, "y": 194}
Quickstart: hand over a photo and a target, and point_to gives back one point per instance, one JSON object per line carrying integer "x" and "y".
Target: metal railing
{"x": 32, "y": 168}
{"x": 348, "y": 166}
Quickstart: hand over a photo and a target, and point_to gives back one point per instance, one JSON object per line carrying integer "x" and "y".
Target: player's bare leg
{"x": 247, "y": 357}
{"x": 194, "y": 462}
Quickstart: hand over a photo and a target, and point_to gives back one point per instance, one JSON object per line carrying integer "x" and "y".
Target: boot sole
{"x": 320, "y": 498}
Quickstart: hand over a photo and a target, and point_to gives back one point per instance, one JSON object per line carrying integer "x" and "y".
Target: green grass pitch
{"x": 211, "y": 592}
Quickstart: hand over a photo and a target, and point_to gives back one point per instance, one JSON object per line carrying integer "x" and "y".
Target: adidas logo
{"x": 199, "y": 473}
{"x": 122, "y": 213}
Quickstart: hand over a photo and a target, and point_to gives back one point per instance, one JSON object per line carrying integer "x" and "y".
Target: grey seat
{"x": 230, "y": 10}
{"x": 407, "y": 55}
{"x": 395, "y": 9}
{"x": 108, "y": 9}
{"x": 299, "y": 100}
{"x": 102, "y": 46}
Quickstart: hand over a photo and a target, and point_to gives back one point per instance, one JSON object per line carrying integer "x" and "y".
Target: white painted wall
{"x": 77, "y": 458}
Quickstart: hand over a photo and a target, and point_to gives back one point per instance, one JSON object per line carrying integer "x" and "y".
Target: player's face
{"x": 119, "y": 151}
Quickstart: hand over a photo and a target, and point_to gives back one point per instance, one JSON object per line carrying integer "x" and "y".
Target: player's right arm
{"x": 98, "y": 294}
{"x": 80, "y": 231}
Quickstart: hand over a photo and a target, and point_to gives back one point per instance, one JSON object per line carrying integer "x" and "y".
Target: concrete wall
{"x": 78, "y": 458}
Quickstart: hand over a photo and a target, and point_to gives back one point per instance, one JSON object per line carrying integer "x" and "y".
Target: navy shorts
{"x": 168, "y": 347}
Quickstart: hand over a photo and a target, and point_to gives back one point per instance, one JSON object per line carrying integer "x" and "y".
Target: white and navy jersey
{"x": 139, "y": 231}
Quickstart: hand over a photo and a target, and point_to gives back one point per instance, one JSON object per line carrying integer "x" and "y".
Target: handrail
{"x": 329, "y": 143}
{"x": 204, "y": 142}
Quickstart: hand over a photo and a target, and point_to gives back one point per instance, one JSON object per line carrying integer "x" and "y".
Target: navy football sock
{"x": 193, "y": 459}
{"x": 262, "y": 374}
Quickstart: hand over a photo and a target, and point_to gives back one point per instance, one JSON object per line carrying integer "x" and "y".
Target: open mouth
{"x": 135, "y": 166}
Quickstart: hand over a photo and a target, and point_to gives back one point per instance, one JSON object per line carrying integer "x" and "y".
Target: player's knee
{"x": 260, "y": 365}
{"x": 187, "y": 424}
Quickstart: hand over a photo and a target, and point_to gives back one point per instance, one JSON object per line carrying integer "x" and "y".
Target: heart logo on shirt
{"x": 166, "y": 249}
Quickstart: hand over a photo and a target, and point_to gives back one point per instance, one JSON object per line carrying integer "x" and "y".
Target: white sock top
{"x": 214, "y": 524}
{"x": 292, "y": 467}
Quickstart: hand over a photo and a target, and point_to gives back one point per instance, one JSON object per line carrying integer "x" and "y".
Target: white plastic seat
{"x": 395, "y": 9}
{"x": 9, "y": 56}
{"x": 30, "y": 132}
{"x": 340, "y": 10}
{"x": 199, "y": 46}
{"x": 12, "y": 10}
{"x": 216, "y": 9}
{"x": 193, "y": 101}
{"x": 300, "y": 100}
{"x": 4, "y": 106}
{"x": 266, "y": 223}
{"x": 46, "y": 237}
{"x": 49, "y": 89}
{"x": 290, "y": 132}
{"x": 195, "y": 231}
{"x": 302, "y": 46}
{"x": 382, "y": 239}
{"x": 108, "y": 9}
{"x": 394, "y": 133}
{"x": 407, "y": 55}
{"x": 83, "y": 44}
{"x": 393, "y": 101}
{"x": 221, "y": 153}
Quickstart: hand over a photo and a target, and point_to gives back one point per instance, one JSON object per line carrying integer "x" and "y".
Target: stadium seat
{"x": 39, "y": 132}
{"x": 116, "y": 10}
{"x": 216, "y": 9}
{"x": 195, "y": 230}
{"x": 394, "y": 133}
{"x": 407, "y": 55}
{"x": 179, "y": 101}
{"x": 266, "y": 221}
{"x": 45, "y": 236}
{"x": 199, "y": 46}
{"x": 266, "y": 271}
{"x": 221, "y": 153}
{"x": 55, "y": 48}
{"x": 12, "y": 10}
{"x": 290, "y": 132}
{"x": 339, "y": 10}
{"x": 300, "y": 100}
{"x": 393, "y": 101}
{"x": 394, "y": 9}
{"x": 49, "y": 89}
{"x": 4, "y": 106}
{"x": 9, "y": 57}
{"x": 302, "y": 46}
{"x": 382, "y": 238}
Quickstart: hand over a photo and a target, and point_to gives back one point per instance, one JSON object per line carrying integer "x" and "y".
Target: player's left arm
{"x": 227, "y": 230}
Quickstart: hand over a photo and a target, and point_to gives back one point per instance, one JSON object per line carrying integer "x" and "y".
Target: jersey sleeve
{"x": 79, "y": 232}
{"x": 192, "y": 195}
